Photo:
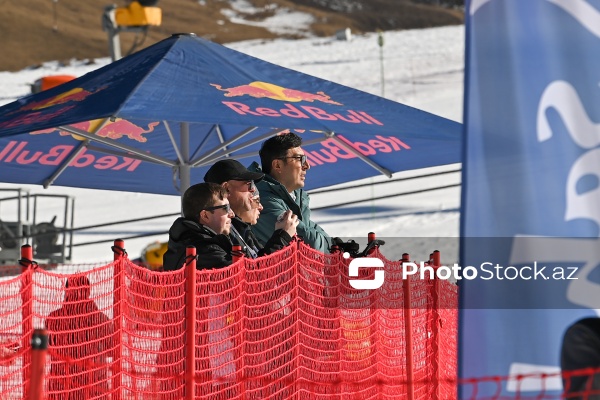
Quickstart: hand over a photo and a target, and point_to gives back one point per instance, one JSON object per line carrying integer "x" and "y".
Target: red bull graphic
{"x": 297, "y": 95}
{"x": 270, "y": 91}
{"x": 289, "y": 110}
{"x": 76, "y": 94}
{"x": 264, "y": 89}
{"x": 19, "y": 153}
{"x": 36, "y": 110}
{"x": 31, "y": 117}
{"x": 111, "y": 130}
{"x": 331, "y": 151}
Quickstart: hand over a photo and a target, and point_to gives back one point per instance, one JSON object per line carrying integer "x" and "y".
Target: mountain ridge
{"x": 71, "y": 29}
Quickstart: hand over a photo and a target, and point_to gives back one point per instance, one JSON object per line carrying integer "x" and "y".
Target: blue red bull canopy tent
{"x": 185, "y": 103}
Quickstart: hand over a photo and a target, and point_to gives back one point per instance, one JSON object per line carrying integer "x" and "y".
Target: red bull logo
{"x": 76, "y": 94}
{"x": 331, "y": 151}
{"x": 20, "y": 152}
{"x": 112, "y": 129}
{"x": 36, "y": 110}
{"x": 268, "y": 90}
{"x": 36, "y": 116}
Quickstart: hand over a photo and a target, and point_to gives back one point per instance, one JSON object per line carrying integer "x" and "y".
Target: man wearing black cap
{"x": 239, "y": 184}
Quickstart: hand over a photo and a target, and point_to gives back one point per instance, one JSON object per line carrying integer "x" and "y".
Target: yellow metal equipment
{"x": 137, "y": 15}
{"x": 152, "y": 255}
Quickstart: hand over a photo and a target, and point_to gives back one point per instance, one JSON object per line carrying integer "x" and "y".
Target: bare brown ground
{"x": 34, "y": 31}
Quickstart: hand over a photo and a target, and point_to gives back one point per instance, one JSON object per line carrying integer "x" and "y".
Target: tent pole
{"x": 221, "y": 138}
{"x": 239, "y": 156}
{"x": 168, "y": 128}
{"x": 205, "y": 160}
{"x": 367, "y": 160}
{"x": 224, "y": 145}
{"x": 65, "y": 164}
{"x": 184, "y": 168}
{"x": 206, "y": 137}
{"x": 113, "y": 143}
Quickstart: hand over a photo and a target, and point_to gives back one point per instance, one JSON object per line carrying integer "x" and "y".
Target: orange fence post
{"x": 371, "y": 237}
{"x": 406, "y": 291}
{"x": 374, "y": 312}
{"x": 436, "y": 258}
{"x": 190, "y": 322}
{"x": 296, "y": 384}
{"x": 39, "y": 348}
{"x": 435, "y": 344}
{"x": 119, "y": 252}
{"x": 242, "y": 352}
{"x": 26, "y": 262}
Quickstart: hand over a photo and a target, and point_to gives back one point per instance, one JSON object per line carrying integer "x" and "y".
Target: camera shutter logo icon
{"x": 366, "y": 262}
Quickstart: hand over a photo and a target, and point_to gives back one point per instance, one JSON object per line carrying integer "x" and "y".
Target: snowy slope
{"x": 422, "y": 68}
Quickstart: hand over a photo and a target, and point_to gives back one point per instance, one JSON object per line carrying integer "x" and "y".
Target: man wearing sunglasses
{"x": 240, "y": 187}
{"x": 251, "y": 217}
{"x": 206, "y": 224}
{"x": 285, "y": 166}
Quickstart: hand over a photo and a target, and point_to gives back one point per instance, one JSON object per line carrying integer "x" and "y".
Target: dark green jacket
{"x": 275, "y": 199}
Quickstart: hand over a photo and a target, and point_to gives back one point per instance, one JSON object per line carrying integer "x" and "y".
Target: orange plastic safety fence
{"x": 534, "y": 386}
{"x": 284, "y": 326}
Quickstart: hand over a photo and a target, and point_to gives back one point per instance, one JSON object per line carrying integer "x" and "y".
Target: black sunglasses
{"x": 301, "y": 158}
{"x": 225, "y": 207}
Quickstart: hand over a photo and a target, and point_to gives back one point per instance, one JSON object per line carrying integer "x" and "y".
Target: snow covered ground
{"x": 421, "y": 68}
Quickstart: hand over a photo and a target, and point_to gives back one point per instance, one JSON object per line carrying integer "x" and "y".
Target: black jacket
{"x": 213, "y": 250}
{"x": 278, "y": 240}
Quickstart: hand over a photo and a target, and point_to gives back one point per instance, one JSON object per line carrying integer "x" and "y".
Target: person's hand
{"x": 288, "y": 221}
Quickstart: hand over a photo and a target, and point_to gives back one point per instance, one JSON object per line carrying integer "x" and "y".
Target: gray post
{"x": 380, "y": 42}
{"x": 184, "y": 169}
{"x": 109, "y": 25}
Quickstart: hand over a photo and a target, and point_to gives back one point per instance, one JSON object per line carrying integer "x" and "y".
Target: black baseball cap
{"x": 225, "y": 170}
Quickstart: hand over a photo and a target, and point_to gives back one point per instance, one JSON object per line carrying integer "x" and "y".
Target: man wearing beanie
{"x": 239, "y": 184}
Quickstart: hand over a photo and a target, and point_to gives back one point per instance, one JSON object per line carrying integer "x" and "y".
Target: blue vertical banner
{"x": 531, "y": 187}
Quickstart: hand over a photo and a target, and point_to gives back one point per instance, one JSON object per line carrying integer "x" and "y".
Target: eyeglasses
{"x": 225, "y": 207}
{"x": 301, "y": 158}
